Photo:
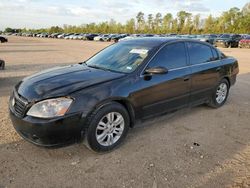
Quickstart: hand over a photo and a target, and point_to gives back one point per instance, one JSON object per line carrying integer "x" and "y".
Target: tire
{"x": 99, "y": 119}
{"x": 2, "y": 65}
{"x": 218, "y": 101}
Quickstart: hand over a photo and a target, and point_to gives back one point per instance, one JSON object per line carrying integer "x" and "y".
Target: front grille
{"x": 20, "y": 105}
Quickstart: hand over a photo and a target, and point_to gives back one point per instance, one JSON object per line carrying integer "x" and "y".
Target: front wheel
{"x": 107, "y": 127}
{"x": 220, "y": 94}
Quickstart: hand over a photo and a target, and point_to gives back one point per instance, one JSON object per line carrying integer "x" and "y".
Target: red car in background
{"x": 245, "y": 43}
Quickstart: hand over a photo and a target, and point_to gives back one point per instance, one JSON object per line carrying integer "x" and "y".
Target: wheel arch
{"x": 228, "y": 80}
{"x": 122, "y": 101}
{"x": 128, "y": 106}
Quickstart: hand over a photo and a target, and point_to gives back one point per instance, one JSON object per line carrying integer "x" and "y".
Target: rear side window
{"x": 171, "y": 56}
{"x": 199, "y": 53}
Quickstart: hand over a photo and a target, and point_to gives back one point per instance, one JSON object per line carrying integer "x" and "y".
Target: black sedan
{"x": 3, "y": 39}
{"x": 228, "y": 41}
{"x": 207, "y": 38}
{"x": 127, "y": 82}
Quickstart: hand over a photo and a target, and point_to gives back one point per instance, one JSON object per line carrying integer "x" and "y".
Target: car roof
{"x": 148, "y": 41}
{"x": 158, "y": 41}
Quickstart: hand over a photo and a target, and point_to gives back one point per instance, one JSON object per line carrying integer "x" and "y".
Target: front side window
{"x": 171, "y": 56}
{"x": 199, "y": 53}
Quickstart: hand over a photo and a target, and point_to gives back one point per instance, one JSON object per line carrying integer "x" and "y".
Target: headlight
{"x": 50, "y": 108}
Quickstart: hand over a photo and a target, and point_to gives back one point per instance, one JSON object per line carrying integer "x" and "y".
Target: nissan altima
{"x": 100, "y": 99}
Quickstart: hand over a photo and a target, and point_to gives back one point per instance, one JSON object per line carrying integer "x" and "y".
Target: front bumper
{"x": 49, "y": 132}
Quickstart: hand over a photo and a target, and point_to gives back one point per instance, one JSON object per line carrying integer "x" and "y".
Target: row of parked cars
{"x": 76, "y": 36}
{"x": 219, "y": 40}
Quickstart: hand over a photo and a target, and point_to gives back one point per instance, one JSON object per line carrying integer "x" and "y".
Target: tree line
{"x": 231, "y": 21}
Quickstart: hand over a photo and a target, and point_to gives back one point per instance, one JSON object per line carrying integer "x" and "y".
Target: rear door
{"x": 205, "y": 68}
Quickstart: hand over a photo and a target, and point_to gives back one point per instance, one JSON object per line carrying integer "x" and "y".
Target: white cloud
{"x": 44, "y": 13}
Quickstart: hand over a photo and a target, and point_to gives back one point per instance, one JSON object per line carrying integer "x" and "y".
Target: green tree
{"x": 197, "y": 23}
{"x": 55, "y": 29}
{"x": 9, "y": 30}
{"x": 158, "y": 22}
{"x": 140, "y": 21}
{"x": 182, "y": 17}
{"x": 150, "y": 22}
{"x": 167, "y": 23}
{"x": 130, "y": 26}
{"x": 209, "y": 24}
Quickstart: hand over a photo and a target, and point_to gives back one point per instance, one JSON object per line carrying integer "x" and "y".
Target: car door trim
{"x": 179, "y": 68}
{"x": 165, "y": 44}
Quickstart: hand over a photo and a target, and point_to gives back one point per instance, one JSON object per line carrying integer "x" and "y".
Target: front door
{"x": 164, "y": 92}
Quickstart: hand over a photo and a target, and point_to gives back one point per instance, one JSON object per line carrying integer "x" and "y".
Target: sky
{"x": 46, "y": 13}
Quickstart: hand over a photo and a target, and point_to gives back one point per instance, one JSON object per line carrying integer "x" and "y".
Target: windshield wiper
{"x": 84, "y": 62}
{"x": 97, "y": 67}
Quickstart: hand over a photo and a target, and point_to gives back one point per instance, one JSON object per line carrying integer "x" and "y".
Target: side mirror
{"x": 156, "y": 70}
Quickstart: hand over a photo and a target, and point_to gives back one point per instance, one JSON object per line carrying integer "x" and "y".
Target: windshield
{"x": 120, "y": 57}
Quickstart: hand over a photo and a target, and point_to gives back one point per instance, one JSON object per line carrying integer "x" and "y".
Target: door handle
{"x": 218, "y": 69}
{"x": 187, "y": 78}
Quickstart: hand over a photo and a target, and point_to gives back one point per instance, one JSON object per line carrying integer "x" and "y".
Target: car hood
{"x": 61, "y": 81}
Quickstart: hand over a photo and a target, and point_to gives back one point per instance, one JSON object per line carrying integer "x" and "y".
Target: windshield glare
{"x": 120, "y": 57}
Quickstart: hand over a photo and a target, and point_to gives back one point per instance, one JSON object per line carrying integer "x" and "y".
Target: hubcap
{"x": 110, "y": 129}
{"x": 221, "y": 93}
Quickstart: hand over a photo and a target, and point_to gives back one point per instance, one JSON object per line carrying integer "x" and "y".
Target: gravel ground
{"x": 198, "y": 147}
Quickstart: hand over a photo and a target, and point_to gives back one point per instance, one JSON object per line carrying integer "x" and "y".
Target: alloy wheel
{"x": 110, "y": 128}
{"x": 221, "y": 93}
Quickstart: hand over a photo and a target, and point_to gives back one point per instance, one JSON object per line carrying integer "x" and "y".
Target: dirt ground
{"x": 198, "y": 147}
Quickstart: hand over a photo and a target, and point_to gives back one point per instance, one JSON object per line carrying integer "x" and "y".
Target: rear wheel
{"x": 220, "y": 94}
{"x": 107, "y": 127}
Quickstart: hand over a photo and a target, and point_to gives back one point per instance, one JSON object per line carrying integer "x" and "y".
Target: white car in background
{"x": 61, "y": 36}
{"x": 80, "y": 36}
{"x": 69, "y": 36}
{"x": 97, "y": 38}
{"x": 75, "y": 36}
{"x": 104, "y": 37}
{"x": 130, "y": 37}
